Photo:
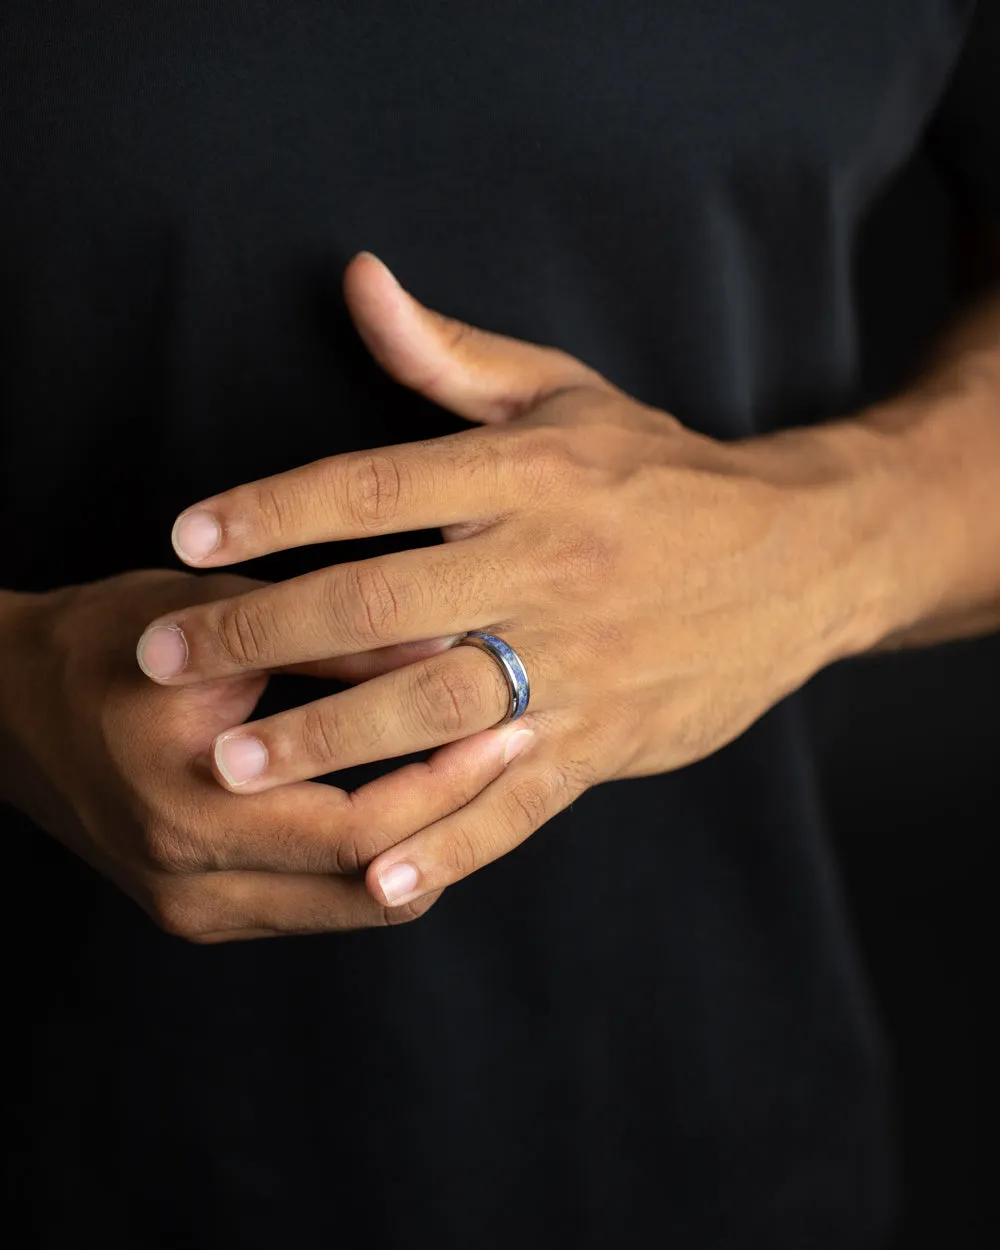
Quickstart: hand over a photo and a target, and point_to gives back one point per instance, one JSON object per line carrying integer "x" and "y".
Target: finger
{"x": 509, "y": 810}
{"x": 484, "y": 377}
{"x": 392, "y": 807}
{"x": 481, "y": 376}
{"x": 457, "y": 479}
{"x": 235, "y": 906}
{"x": 312, "y": 828}
{"x": 347, "y": 609}
{"x": 412, "y": 709}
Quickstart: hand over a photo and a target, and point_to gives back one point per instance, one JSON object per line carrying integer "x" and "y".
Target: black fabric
{"x": 965, "y": 132}
{"x": 647, "y": 1027}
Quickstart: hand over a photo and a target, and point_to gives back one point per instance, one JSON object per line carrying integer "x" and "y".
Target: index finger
{"x": 459, "y": 478}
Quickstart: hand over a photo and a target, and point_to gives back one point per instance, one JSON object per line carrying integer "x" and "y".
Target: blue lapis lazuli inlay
{"x": 516, "y": 672}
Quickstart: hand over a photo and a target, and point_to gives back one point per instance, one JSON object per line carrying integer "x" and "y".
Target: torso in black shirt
{"x": 646, "y": 1027}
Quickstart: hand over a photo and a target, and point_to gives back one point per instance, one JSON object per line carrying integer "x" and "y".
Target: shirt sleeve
{"x": 964, "y": 135}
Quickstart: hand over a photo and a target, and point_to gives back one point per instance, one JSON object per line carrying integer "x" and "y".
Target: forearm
{"x": 903, "y": 500}
{"x": 942, "y": 441}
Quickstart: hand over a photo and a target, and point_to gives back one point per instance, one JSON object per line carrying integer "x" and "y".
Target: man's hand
{"x": 119, "y": 772}
{"x": 663, "y": 589}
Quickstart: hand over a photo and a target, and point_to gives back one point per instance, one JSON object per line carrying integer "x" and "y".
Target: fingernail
{"x": 240, "y": 759}
{"x": 196, "y": 535}
{"x": 162, "y": 652}
{"x": 398, "y": 881}
{"x": 516, "y": 744}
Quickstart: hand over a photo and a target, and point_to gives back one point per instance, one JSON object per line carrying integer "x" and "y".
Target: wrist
{"x": 880, "y": 529}
{"x": 850, "y": 504}
{"x": 899, "y": 507}
{"x": 942, "y": 442}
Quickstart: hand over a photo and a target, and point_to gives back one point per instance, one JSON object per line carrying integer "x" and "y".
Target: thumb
{"x": 478, "y": 375}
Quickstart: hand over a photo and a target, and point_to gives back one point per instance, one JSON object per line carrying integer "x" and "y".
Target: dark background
{"x": 912, "y": 780}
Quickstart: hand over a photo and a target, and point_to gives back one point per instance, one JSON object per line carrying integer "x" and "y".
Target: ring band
{"x": 510, "y": 665}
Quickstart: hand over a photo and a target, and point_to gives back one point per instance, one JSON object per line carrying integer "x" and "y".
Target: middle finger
{"x": 344, "y": 610}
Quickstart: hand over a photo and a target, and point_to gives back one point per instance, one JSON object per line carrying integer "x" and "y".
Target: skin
{"x": 119, "y": 772}
{"x": 663, "y": 589}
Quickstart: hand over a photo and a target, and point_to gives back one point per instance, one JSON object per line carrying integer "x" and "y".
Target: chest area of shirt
{"x": 304, "y": 94}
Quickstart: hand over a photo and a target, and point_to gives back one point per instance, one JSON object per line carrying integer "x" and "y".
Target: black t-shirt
{"x": 647, "y": 1026}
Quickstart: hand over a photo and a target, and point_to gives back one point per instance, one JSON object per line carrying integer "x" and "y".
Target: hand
{"x": 118, "y": 771}
{"x": 663, "y": 589}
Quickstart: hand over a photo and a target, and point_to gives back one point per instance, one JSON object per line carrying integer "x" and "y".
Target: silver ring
{"x": 510, "y": 665}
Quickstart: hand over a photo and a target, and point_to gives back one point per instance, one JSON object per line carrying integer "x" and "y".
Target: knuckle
{"x": 273, "y": 511}
{"x": 579, "y": 559}
{"x": 547, "y": 464}
{"x": 320, "y": 734}
{"x": 531, "y": 800}
{"x": 353, "y": 852}
{"x": 464, "y": 852}
{"x": 170, "y": 851}
{"x": 347, "y": 860}
{"x": 374, "y": 491}
{"x": 242, "y": 635}
{"x": 540, "y": 449}
{"x": 448, "y": 699}
{"x": 182, "y": 914}
{"x": 583, "y": 401}
{"x": 376, "y": 605}
{"x": 583, "y": 771}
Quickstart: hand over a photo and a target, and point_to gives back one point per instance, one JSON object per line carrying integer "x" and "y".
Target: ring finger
{"x": 415, "y": 708}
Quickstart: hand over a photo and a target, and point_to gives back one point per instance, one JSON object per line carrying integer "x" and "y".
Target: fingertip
{"x": 375, "y": 297}
{"x": 196, "y": 535}
{"x": 369, "y": 258}
{"x": 238, "y": 758}
{"x": 162, "y": 652}
{"x": 394, "y": 884}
